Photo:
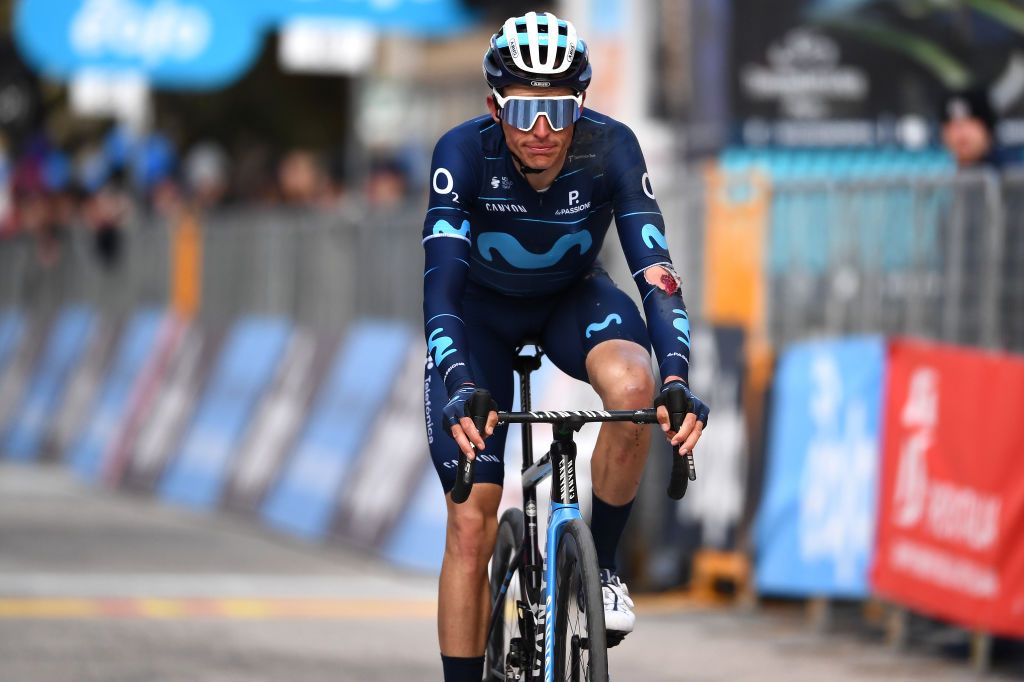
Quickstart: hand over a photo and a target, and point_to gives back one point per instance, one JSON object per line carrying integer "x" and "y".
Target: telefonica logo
{"x": 166, "y": 30}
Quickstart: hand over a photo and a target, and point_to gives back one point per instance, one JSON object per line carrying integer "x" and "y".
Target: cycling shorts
{"x": 568, "y": 325}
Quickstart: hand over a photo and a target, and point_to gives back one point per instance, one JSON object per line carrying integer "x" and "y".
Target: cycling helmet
{"x": 538, "y": 50}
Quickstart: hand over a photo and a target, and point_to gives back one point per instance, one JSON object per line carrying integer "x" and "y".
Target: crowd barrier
{"x": 318, "y": 434}
{"x": 893, "y": 471}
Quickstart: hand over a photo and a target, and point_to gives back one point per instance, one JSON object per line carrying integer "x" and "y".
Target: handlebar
{"x": 683, "y": 469}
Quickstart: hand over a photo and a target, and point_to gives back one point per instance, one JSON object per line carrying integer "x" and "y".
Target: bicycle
{"x": 551, "y": 612}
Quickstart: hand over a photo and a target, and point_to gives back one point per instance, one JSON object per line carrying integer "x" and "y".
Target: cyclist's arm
{"x": 641, "y": 231}
{"x": 446, "y": 245}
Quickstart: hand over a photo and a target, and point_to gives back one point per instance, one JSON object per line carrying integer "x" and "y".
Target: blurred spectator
{"x": 302, "y": 179}
{"x": 968, "y": 129}
{"x": 387, "y": 185}
{"x": 106, "y": 213}
{"x": 206, "y": 174}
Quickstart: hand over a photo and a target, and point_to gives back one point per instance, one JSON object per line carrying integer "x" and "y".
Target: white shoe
{"x": 618, "y": 607}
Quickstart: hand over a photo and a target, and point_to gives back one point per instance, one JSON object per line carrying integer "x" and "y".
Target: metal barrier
{"x": 318, "y": 268}
{"x": 940, "y": 258}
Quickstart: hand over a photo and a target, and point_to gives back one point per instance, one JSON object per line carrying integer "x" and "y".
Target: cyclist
{"x": 521, "y": 200}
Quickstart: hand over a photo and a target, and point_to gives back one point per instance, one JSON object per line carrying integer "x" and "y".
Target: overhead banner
{"x": 195, "y": 44}
{"x": 67, "y": 339}
{"x": 420, "y": 17}
{"x": 951, "y": 512}
{"x": 815, "y": 527}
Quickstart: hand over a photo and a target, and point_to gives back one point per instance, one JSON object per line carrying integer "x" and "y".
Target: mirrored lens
{"x": 523, "y": 113}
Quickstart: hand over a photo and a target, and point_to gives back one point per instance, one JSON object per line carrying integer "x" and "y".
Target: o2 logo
{"x": 645, "y": 183}
{"x": 445, "y": 176}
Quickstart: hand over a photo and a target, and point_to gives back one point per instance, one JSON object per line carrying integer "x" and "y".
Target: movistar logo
{"x": 445, "y": 227}
{"x": 652, "y": 235}
{"x": 682, "y": 325}
{"x": 440, "y": 346}
{"x": 516, "y": 255}
{"x": 597, "y": 327}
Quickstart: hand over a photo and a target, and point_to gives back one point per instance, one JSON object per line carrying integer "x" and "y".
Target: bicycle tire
{"x": 579, "y": 610}
{"x": 511, "y": 531}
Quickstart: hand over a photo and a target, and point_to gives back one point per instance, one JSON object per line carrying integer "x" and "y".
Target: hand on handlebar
{"x": 682, "y": 415}
{"x": 460, "y": 425}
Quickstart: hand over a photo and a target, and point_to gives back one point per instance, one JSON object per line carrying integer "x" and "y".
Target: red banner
{"x": 951, "y": 501}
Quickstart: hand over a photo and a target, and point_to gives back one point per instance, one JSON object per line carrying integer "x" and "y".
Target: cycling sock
{"x": 462, "y": 669}
{"x": 606, "y": 524}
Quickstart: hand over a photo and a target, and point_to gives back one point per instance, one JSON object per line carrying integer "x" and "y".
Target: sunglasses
{"x": 523, "y": 112}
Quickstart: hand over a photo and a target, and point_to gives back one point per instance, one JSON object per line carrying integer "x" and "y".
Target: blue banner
{"x": 67, "y": 342}
{"x": 197, "y": 474}
{"x": 136, "y": 343}
{"x": 197, "y": 44}
{"x": 305, "y": 497}
{"x": 816, "y": 525}
{"x": 417, "y": 541}
{"x": 419, "y": 17}
{"x": 12, "y": 326}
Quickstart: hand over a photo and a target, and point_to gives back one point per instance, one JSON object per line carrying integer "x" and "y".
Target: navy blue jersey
{"x": 485, "y": 223}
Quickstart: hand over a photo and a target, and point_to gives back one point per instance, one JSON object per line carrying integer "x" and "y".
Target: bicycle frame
{"x": 560, "y": 461}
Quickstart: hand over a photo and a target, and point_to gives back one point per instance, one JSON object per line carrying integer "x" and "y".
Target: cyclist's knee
{"x": 623, "y": 379}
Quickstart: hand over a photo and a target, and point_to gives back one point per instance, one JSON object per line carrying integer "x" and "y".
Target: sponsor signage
{"x": 826, "y": 74}
{"x": 63, "y": 349}
{"x": 305, "y": 498}
{"x": 198, "y": 473}
{"x": 951, "y": 510}
{"x": 196, "y": 44}
{"x": 79, "y": 398}
{"x": 152, "y": 380}
{"x": 278, "y": 419}
{"x": 105, "y": 415}
{"x": 815, "y": 527}
{"x": 420, "y": 17}
{"x": 176, "y": 402}
{"x": 208, "y": 44}
{"x": 365, "y": 515}
{"x": 12, "y": 326}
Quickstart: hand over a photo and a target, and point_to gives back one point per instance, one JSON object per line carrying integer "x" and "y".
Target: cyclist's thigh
{"x": 490, "y": 360}
{"x": 593, "y": 311}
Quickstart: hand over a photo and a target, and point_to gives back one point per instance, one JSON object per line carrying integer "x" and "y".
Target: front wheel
{"x": 506, "y": 645}
{"x": 580, "y": 646}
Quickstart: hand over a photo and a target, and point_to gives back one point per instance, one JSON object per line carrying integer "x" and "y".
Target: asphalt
{"x": 111, "y": 587}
